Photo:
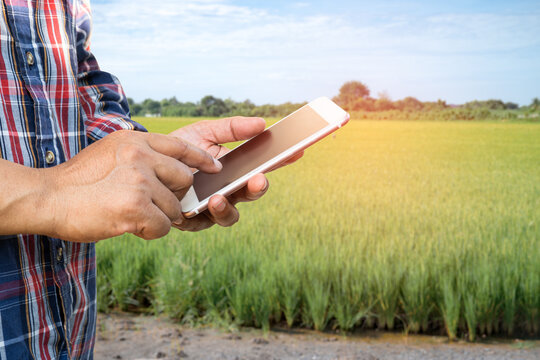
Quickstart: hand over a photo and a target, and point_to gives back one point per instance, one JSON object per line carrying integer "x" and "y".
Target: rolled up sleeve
{"x": 104, "y": 106}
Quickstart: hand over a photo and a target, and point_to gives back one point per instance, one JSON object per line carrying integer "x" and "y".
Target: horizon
{"x": 294, "y": 52}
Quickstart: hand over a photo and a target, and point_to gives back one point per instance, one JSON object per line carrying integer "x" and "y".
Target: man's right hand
{"x": 128, "y": 182}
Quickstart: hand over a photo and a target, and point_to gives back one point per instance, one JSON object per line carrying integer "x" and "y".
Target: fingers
{"x": 222, "y": 212}
{"x": 176, "y": 176}
{"x": 289, "y": 161}
{"x": 166, "y": 201}
{"x": 197, "y": 223}
{"x": 184, "y": 152}
{"x": 231, "y": 129}
{"x": 155, "y": 225}
{"x": 255, "y": 188}
{"x": 293, "y": 159}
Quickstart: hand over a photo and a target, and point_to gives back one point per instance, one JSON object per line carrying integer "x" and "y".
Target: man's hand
{"x": 128, "y": 182}
{"x": 209, "y": 135}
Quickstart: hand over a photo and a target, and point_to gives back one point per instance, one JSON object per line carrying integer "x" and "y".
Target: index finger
{"x": 184, "y": 151}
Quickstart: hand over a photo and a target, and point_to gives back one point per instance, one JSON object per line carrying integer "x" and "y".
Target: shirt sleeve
{"x": 104, "y": 106}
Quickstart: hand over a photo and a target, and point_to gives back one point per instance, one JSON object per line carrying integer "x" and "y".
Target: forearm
{"x": 24, "y": 202}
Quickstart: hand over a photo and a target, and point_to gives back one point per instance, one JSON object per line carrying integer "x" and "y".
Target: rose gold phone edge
{"x": 322, "y": 106}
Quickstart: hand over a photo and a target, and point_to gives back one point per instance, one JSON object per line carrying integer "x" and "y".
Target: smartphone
{"x": 284, "y": 139}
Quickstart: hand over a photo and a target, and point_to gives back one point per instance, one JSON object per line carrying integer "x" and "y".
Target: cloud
{"x": 299, "y": 5}
{"x": 220, "y": 46}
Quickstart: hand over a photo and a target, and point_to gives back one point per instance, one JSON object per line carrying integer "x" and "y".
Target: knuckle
{"x": 117, "y": 134}
{"x": 131, "y": 153}
{"x": 127, "y": 227}
{"x": 205, "y": 123}
{"x": 139, "y": 199}
{"x": 134, "y": 202}
{"x": 139, "y": 180}
{"x": 182, "y": 147}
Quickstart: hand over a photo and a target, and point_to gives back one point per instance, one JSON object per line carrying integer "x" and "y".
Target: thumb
{"x": 234, "y": 129}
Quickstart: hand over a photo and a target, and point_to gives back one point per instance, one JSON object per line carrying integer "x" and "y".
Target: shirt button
{"x": 59, "y": 254}
{"x": 49, "y": 157}
{"x": 30, "y": 58}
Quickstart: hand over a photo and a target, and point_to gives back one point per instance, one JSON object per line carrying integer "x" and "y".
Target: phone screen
{"x": 260, "y": 149}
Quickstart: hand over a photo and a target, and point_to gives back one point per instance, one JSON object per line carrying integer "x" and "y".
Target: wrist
{"x": 24, "y": 201}
{"x": 45, "y": 203}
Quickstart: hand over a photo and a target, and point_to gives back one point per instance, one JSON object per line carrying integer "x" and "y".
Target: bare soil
{"x": 128, "y": 336}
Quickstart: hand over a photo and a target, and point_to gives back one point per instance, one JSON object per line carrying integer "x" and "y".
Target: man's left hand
{"x": 209, "y": 135}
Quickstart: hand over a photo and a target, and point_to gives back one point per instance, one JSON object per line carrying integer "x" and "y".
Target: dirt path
{"x": 122, "y": 336}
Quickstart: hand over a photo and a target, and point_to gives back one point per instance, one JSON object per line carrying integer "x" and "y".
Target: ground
{"x": 127, "y": 336}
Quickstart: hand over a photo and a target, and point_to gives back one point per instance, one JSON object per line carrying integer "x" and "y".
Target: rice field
{"x": 422, "y": 226}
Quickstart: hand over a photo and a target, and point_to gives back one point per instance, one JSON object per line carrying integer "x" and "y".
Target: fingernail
{"x": 218, "y": 164}
{"x": 220, "y": 206}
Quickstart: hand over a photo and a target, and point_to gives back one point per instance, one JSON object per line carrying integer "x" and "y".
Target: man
{"x": 64, "y": 179}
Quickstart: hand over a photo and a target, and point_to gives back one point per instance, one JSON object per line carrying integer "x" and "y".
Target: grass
{"x": 425, "y": 226}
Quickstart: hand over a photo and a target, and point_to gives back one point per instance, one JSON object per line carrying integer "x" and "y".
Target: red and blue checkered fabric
{"x": 53, "y": 98}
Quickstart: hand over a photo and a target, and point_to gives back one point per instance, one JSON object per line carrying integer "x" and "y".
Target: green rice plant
{"x": 509, "y": 265}
{"x": 265, "y": 303}
{"x": 317, "y": 300}
{"x": 470, "y": 314}
{"x": 178, "y": 289}
{"x": 530, "y": 294}
{"x": 104, "y": 268}
{"x": 387, "y": 278}
{"x": 128, "y": 274}
{"x": 317, "y": 291}
{"x": 417, "y": 295}
{"x": 450, "y": 304}
{"x": 351, "y": 301}
{"x": 240, "y": 307}
{"x": 480, "y": 293}
{"x": 253, "y": 301}
{"x": 290, "y": 294}
{"x": 216, "y": 279}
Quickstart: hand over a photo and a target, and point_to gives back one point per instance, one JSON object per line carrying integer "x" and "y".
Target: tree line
{"x": 209, "y": 106}
{"x": 356, "y": 96}
{"x": 353, "y": 96}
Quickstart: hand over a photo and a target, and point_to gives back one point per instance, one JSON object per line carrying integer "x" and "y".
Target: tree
{"x": 383, "y": 104}
{"x": 438, "y": 105}
{"x": 511, "y": 106}
{"x": 410, "y": 104}
{"x": 135, "y": 109}
{"x": 363, "y": 104}
{"x": 492, "y": 104}
{"x": 212, "y": 106}
{"x": 535, "y": 104}
{"x": 151, "y": 107}
{"x": 350, "y": 93}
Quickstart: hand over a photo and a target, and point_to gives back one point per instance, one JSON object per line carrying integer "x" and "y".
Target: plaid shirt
{"x": 54, "y": 101}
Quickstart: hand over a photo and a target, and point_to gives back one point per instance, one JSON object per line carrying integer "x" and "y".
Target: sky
{"x": 276, "y": 51}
